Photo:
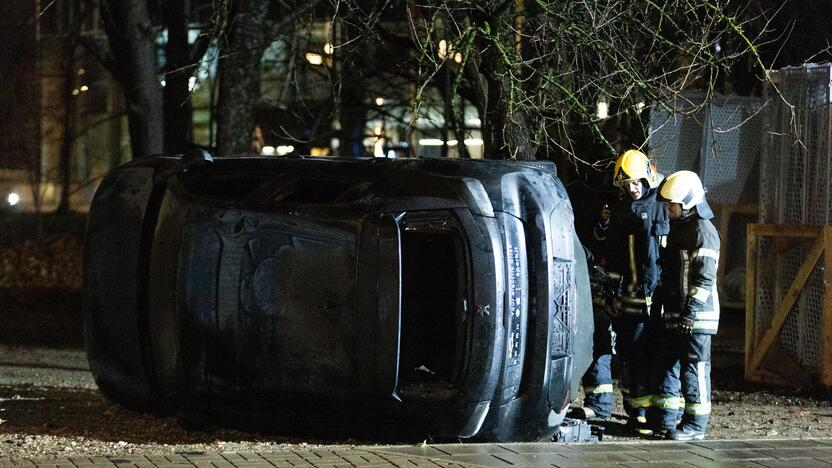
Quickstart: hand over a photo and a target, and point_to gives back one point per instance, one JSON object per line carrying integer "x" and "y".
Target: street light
{"x": 314, "y": 59}
{"x": 446, "y": 50}
{"x": 443, "y": 49}
{"x": 603, "y": 110}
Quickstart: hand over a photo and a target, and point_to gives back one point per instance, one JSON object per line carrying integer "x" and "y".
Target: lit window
{"x": 436, "y": 142}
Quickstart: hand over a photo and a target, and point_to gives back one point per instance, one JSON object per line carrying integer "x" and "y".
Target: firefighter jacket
{"x": 689, "y": 274}
{"x": 636, "y": 231}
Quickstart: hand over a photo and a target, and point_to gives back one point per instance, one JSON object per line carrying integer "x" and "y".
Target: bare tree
{"x": 160, "y": 117}
{"x": 131, "y": 58}
{"x": 351, "y": 86}
{"x": 20, "y": 97}
{"x": 242, "y": 43}
{"x": 536, "y": 70}
{"x": 70, "y": 46}
{"x": 180, "y": 60}
{"x": 245, "y": 28}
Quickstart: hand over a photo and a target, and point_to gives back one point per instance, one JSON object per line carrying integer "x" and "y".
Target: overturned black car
{"x": 447, "y": 296}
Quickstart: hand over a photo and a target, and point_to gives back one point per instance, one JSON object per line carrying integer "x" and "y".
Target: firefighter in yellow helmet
{"x": 638, "y": 225}
{"x": 689, "y": 298}
{"x": 634, "y": 165}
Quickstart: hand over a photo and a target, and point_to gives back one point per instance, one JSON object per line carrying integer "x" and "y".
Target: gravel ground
{"x": 49, "y": 405}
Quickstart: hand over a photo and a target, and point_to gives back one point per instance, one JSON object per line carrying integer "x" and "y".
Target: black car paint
{"x": 181, "y": 311}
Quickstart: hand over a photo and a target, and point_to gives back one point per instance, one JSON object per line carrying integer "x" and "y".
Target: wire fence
{"x": 720, "y": 140}
{"x": 794, "y": 189}
{"x": 775, "y": 152}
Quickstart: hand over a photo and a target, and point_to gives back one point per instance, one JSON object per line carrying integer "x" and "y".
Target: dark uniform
{"x": 597, "y": 381}
{"x": 633, "y": 244}
{"x": 688, "y": 290}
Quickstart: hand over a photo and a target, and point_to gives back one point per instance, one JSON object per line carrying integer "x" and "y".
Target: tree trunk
{"x": 507, "y": 132}
{"x": 239, "y": 74}
{"x": 454, "y": 115}
{"x": 447, "y": 101}
{"x": 131, "y": 36}
{"x": 353, "y": 95}
{"x": 178, "y": 111}
{"x": 65, "y": 161}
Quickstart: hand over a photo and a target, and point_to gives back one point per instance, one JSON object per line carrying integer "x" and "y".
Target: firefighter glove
{"x": 685, "y": 325}
{"x": 691, "y": 306}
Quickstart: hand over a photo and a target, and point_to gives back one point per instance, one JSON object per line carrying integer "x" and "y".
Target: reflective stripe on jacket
{"x": 634, "y": 238}
{"x": 689, "y": 274}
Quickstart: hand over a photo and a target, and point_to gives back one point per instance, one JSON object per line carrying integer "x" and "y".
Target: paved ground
{"x": 709, "y": 453}
{"x": 65, "y": 366}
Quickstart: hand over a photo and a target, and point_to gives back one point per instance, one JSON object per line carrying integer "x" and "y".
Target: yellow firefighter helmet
{"x": 634, "y": 165}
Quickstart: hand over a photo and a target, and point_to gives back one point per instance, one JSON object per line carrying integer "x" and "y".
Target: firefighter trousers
{"x": 684, "y": 365}
{"x": 597, "y": 380}
{"x": 668, "y": 402}
{"x": 633, "y": 339}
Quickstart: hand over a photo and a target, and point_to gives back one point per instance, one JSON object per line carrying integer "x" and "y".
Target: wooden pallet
{"x": 764, "y": 361}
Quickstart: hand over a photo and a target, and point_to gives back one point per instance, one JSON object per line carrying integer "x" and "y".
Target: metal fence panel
{"x": 731, "y": 152}
{"x": 675, "y": 136}
{"x": 718, "y": 139}
{"x": 794, "y": 189}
